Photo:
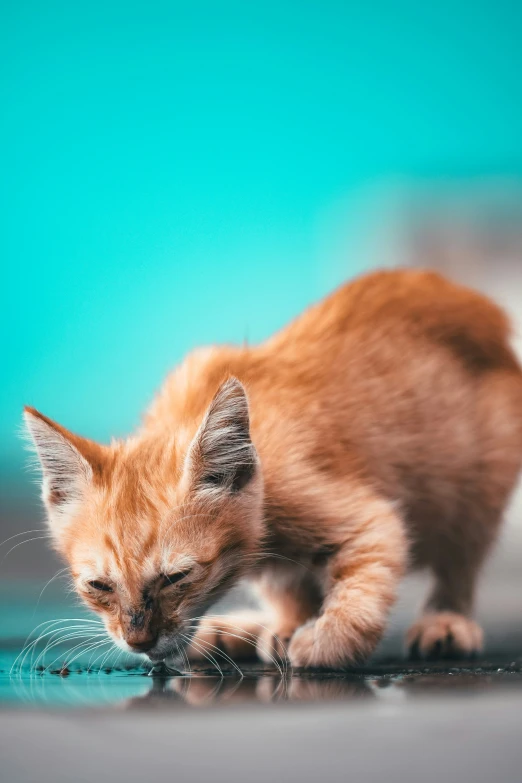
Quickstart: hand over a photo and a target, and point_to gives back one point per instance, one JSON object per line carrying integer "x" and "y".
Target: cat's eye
{"x": 103, "y": 586}
{"x": 172, "y": 579}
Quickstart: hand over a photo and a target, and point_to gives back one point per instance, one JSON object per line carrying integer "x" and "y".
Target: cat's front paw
{"x": 304, "y": 649}
{"x": 323, "y": 643}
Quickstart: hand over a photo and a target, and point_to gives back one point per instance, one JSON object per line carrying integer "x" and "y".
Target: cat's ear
{"x": 69, "y": 464}
{"x": 222, "y": 455}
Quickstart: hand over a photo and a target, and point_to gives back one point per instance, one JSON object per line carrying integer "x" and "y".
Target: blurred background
{"x": 175, "y": 174}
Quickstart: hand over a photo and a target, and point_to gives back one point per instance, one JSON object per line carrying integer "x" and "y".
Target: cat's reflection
{"x": 205, "y": 690}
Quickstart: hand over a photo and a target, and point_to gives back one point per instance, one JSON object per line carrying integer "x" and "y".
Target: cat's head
{"x": 155, "y": 528}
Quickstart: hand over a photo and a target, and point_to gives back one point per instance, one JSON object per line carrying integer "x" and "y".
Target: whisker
{"x": 106, "y": 655}
{"x": 224, "y": 619}
{"x": 284, "y": 660}
{"x": 179, "y": 652}
{"x": 277, "y": 556}
{"x": 94, "y": 645}
{"x": 222, "y": 653}
{"x": 90, "y": 645}
{"x": 35, "y": 664}
{"x": 184, "y": 658}
{"x": 53, "y": 641}
{"x": 206, "y": 655}
{"x": 57, "y": 642}
{"x": 59, "y": 635}
{"x": 27, "y": 541}
{"x": 57, "y": 574}
{"x": 252, "y": 642}
{"x": 91, "y": 662}
{"x": 25, "y": 533}
{"x": 87, "y": 621}
{"x": 31, "y": 645}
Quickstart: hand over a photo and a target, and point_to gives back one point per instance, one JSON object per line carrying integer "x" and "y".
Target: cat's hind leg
{"x": 446, "y": 628}
{"x": 456, "y": 556}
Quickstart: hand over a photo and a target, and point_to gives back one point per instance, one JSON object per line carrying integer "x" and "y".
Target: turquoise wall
{"x": 170, "y": 171}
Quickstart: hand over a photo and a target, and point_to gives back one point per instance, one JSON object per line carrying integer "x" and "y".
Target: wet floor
{"x": 54, "y": 680}
{"x": 73, "y": 710}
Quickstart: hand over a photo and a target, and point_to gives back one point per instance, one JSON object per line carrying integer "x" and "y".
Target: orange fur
{"x": 383, "y": 430}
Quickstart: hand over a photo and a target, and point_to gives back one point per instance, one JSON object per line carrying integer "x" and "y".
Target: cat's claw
{"x": 444, "y": 635}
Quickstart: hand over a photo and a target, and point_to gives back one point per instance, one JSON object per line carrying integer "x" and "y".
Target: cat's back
{"x": 402, "y": 306}
{"x": 412, "y": 374}
{"x": 388, "y": 352}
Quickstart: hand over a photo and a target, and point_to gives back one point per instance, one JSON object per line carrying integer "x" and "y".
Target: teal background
{"x": 182, "y": 173}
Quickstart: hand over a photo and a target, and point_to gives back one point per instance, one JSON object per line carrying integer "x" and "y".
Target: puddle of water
{"x": 54, "y": 682}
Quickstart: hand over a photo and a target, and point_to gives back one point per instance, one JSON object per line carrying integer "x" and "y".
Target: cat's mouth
{"x": 156, "y": 656}
{"x": 170, "y": 646}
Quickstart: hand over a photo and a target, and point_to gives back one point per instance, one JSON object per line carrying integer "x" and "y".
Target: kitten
{"x": 380, "y": 431}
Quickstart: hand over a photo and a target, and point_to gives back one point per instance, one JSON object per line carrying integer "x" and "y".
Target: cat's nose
{"x": 142, "y": 644}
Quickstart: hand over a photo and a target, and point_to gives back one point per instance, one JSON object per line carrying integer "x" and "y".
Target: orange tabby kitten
{"x": 380, "y": 431}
